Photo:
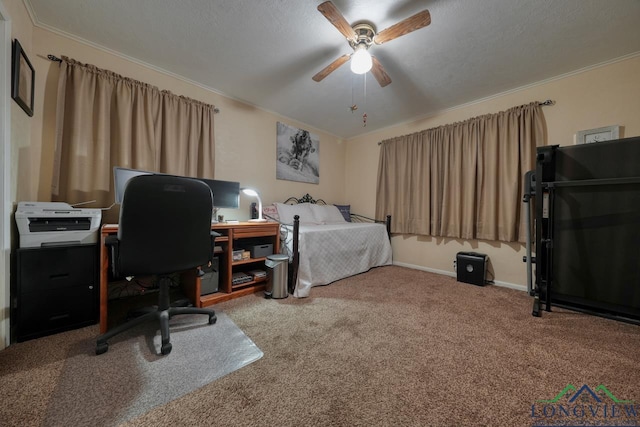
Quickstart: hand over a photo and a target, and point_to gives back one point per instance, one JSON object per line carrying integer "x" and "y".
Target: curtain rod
{"x": 541, "y": 103}
{"x": 54, "y": 58}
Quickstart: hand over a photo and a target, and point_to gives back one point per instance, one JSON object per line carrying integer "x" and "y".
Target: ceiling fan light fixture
{"x": 361, "y": 36}
{"x": 361, "y": 60}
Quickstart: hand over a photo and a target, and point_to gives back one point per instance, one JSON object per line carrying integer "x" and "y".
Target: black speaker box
{"x": 471, "y": 267}
{"x": 209, "y": 282}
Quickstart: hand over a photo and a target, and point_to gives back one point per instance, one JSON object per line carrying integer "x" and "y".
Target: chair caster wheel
{"x": 212, "y": 319}
{"x": 102, "y": 348}
{"x": 166, "y": 348}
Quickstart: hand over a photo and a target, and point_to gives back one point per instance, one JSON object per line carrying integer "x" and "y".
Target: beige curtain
{"x": 463, "y": 180}
{"x": 106, "y": 120}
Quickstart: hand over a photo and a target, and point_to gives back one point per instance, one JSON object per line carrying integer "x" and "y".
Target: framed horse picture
{"x": 298, "y": 155}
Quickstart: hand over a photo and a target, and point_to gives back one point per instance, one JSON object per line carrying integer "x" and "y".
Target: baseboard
{"x": 522, "y": 288}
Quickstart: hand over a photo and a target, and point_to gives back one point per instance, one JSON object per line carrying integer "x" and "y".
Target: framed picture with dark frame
{"x": 22, "y": 78}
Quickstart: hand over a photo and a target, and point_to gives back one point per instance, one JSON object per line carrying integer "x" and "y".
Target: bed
{"x": 326, "y": 242}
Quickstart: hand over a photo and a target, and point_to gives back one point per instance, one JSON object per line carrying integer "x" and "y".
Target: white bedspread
{"x": 335, "y": 251}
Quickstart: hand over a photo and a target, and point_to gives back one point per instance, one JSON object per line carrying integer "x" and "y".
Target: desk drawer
{"x": 255, "y": 231}
{"x": 52, "y": 311}
{"x": 56, "y": 268}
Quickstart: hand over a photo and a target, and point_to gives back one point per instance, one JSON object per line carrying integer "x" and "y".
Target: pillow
{"x": 327, "y": 214}
{"x": 270, "y": 212}
{"x": 345, "y": 210}
{"x": 287, "y": 212}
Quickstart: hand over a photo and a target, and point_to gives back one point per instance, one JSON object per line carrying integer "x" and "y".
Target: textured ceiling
{"x": 265, "y": 52}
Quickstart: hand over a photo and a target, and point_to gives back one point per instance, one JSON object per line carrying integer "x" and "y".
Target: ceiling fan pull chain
{"x": 364, "y": 115}
{"x": 353, "y": 107}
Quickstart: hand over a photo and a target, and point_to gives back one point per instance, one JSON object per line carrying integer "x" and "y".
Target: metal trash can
{"x": 277, "y": 267}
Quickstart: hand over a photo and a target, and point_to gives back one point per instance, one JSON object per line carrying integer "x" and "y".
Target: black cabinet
{"x": 587, "y": 225}
{"x": 56, "y": 290}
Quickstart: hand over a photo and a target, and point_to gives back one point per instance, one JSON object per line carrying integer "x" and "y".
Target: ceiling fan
{"x": 362, "y": 36}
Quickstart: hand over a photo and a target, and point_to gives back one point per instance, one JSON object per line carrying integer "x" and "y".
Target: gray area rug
{"x": 132, "y": 378}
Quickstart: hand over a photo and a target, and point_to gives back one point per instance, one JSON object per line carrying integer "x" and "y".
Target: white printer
{"x": 55, "y": 223}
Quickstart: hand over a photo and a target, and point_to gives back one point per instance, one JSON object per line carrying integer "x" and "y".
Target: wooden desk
{"x": 233, "y": 236}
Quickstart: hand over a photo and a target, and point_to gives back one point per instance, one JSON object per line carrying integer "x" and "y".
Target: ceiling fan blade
{"x": 378, "y": 72}
{"x": 334, "y": 16}
{"x": 331, "y": 67}
{"x": 415, "y": 22}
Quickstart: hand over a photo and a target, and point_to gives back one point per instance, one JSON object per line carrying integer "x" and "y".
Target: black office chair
{"x": 164, "y": 228}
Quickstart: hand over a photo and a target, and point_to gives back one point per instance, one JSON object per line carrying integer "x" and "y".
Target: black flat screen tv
{"x": 121, "y": 177}
{"x": 226, "y": 194}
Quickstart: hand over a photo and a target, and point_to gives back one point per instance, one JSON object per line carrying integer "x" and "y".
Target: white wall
{"x": 5, "y": 175}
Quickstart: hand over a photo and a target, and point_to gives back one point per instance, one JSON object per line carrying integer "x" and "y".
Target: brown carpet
{"x": 391, "y": 347}
{"x": 133, "y": 377}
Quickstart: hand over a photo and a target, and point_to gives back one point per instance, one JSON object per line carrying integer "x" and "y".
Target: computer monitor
{"x": 120, "y": 178}
{"x": 226, "y": 194}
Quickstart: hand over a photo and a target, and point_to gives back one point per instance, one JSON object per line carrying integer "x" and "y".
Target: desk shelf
{"x": 246, "y": 284}
{"x": 207, "y": 300}
{"x": 248, "y": 261}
